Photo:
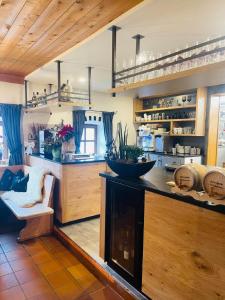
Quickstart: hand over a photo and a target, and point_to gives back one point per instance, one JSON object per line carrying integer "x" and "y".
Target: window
{"x": 89, "y": 140}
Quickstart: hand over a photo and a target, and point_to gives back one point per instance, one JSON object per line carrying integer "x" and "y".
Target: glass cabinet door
{"x": 125, "y": 229}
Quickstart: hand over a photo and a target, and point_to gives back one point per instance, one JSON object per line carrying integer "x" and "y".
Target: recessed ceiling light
{"x": 82, "y": 79}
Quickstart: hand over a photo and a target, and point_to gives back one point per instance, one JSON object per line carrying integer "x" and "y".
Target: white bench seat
{"x": 39, "y": 217}
{"x": 22, "y": 213}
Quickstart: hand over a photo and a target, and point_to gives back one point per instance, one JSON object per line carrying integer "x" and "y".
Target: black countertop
{"x": 156, "y": 181}
{"x": 95, "y": 159}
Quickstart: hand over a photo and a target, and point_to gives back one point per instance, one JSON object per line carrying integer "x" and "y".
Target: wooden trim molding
{"x": 214, "y": 107}
{"x": 11, "y": 78}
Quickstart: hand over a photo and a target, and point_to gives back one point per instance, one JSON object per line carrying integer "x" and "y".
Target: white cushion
{"x": 35, "y": 183}
{"x": 33, "y": 194}
{"x": 27, "y": 213}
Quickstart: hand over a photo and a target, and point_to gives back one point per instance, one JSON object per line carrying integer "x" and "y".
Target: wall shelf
{"x": 167, "y": 121}
{"x": 166, "y": 108}
{"x": 169, "y": 77}
{"x": 58, "y": 106}
{"x": 198, "y": 125}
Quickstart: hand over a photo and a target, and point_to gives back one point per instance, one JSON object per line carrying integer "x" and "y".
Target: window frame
{"x": 85, "y": 140}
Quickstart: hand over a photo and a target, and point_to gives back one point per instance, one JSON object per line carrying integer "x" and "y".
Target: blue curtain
{"x": 78, "y": 125}
{"x": 11, "y": 118}
{"x": 107, "y": 118}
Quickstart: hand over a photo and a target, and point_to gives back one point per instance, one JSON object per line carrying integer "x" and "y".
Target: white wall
{"x": 11, "y": 93}
{"x": 123, "y": 106}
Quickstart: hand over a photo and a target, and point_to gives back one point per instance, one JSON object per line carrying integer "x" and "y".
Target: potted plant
{"x": 65, "y": 134}
{"x": 123, "y": 158}
{"x": 56, "y": 149}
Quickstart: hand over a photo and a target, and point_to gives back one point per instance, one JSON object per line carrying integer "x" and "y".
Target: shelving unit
{"x": 199, "y": 108}
{"x": 167, "y": 121}
{"x": 166, "y": 108}
{"x": 169, "y": 77}
{"x": 60, "y": 100}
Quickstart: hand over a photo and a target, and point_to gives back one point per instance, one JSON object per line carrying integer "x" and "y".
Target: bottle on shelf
{"x": 45, "y": 96}
{"x": 67, "y": 90}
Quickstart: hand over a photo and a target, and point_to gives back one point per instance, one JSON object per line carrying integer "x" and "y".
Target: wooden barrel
{"x": 189, "y": 177}
{"x": 214, "y": 183}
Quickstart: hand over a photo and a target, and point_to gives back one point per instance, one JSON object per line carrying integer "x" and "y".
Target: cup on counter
{"x": 179, "y": 130}
{"x": 198, "y": 151}
{"x": 193, "y": 151}
{"x": 174, "y": 151}
{"x": 187, "y": 149}
{"x": 180, "y": 149}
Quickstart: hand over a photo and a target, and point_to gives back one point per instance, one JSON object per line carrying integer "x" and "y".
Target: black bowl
{"x": 133, "y": 170}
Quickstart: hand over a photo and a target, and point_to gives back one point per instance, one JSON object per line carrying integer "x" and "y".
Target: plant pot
{"x": 56, "y": 153}
{"x": 128, "y": 169}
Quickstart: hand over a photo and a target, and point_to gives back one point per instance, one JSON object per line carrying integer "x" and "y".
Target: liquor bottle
{"x": 37, "y": 98}
{"x": 126, "y": 250}
{"x": 67, "y": 90}
{"x": 45, "y": 96}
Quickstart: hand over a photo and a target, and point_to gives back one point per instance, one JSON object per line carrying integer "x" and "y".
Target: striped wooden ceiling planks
{"x": 33, "y": 32}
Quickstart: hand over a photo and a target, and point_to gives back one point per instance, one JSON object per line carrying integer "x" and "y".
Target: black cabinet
{"x": 124, "y": 230}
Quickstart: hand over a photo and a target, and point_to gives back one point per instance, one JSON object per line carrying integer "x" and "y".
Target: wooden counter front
{"x": 184, "y": 251}
{"x": 78, "y": 188}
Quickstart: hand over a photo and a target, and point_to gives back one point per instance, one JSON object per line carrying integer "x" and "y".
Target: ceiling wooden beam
{"x": 11, "y": 78}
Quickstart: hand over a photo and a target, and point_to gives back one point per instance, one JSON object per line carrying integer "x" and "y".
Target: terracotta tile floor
{"x": 43, "y": 269}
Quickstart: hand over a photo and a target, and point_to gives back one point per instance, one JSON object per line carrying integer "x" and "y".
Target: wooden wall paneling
{"x": 201, "y": 103}
{"x": 213, "y": 124}
{"x": 24, "y": 20}
{"x": 12, "y": 78}
{"x": 184, "y": 251}
{"x": 102, "y": 219}
{"x": 82, "y": 187}
{"x": 61, "y": 16}
{"x": 40, "y": 30}
{"x": 137, "y": 105}
{"x": 9, "y": 11}
{"x": 95, "y": 19}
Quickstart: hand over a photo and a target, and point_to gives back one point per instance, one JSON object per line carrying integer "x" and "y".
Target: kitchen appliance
{"x": 147, "y": 143}
{"x": 45, "y": 137}
{"x": 163, "y": 143}
{"x": 124, "y": 231}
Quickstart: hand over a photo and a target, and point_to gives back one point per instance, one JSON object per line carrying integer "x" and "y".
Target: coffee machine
{"x": 145, "y": 139}
{"x": 163, "y": 142}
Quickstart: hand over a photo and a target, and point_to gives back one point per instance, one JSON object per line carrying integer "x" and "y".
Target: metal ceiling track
{"x": 60, "y": 97}
{"x": 160, "y": 63}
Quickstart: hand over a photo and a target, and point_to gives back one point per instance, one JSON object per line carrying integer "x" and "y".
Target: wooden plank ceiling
{"x": 32, "y": 32}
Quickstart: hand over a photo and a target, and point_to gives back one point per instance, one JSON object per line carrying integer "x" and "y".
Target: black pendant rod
{"x": 50, "y": 85}
{"x": 114, "y": 30}
{"x": 89, "y": 85}
{"x": 59, "y": 78}
{"x": 138, "y": 38}
{"x": 25, "y": 88}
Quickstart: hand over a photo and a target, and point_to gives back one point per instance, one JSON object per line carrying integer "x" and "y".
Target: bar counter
{"x": 156, "y": 181}
{"x": 176, "y": 244}
{"x": 78, "y": 186}
{"x": 94, "y": 159}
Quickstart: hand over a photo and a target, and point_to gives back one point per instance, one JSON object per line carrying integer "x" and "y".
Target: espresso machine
{"x": 145, "y": 139}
